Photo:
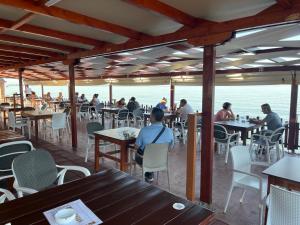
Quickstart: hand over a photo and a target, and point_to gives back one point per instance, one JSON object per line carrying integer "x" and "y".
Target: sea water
{"x": 246, "y": 100}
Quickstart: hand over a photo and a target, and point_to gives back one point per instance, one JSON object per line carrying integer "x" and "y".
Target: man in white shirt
{"x": 28, "y": 90}
{"x": 183, "y": 110}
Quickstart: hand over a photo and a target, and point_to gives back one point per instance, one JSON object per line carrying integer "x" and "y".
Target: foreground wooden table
{"x": 114, "y": 136}
{"x": 10, "y": 136}
{"x": 36, "y": 116}
{"x": 244, "y": 128}
{"x": 115, "y": 197}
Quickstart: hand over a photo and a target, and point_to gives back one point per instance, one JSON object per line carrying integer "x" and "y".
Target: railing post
{"x": 191, "y": 156}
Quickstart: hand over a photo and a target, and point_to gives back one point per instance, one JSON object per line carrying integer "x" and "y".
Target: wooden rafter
{"x": 23, "y": 20}
{"x": 37, "y": 43}
{"x": 18, "y": 55}
{"x": 285, "y": 3}
{"x": 12, "y": 48}
{"x": 167, "y": 10}
{"x": 12, "y": 60}
{"x": 52, "y": 33}
{"x": 73, "y": 17}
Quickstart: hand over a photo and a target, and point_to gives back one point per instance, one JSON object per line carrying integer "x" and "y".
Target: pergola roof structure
{"x": 164, "y": 37}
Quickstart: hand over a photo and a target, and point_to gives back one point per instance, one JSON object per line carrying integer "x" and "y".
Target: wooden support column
{"x": 42, "y": 87}
{"x": 21, "y": 70}
{"x": 191, "y": 157}
{"x": 292, "y": 141}
{"x": 73, "y": 100}
{"x": 172, "y": 95}
{"x": 110, "y": 93}
{"x": 207, "y": 138}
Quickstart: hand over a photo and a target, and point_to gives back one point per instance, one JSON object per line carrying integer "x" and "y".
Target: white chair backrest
{"x": 276, "y": 135}
{"x": 5, "y": 194}
{"x": 240, "y": 159}
{"x": 284, "y": 207}
{"x": 11, "y": 119}
{"x": 156, "y": 156}
{"x": 59, "y": 121}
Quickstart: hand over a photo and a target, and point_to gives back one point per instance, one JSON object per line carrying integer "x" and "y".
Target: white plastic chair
{"x": 267, "y": 141}
{"x": 84, "y": 111}
{"x": 58, "y": 122}
{"x": 18, "y": 123}
{"x": 244, "y": 178}
{"x": 223, "y": 138}
{"x": 5, "y": 195}
{"x": 36, "y": 170}
{"x": 283, "y": 207}
{"x": 122, "y": 117}
{"x": 155, "y": 159}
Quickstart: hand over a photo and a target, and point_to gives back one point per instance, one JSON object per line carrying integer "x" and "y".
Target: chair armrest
{"x": 233, "y": 137}
{"x": 62, "y": 173}
{"x": 22, "y": 190}
{"x": 7, "y": 194}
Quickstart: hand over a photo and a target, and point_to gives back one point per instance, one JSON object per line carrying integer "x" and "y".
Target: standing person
{"x": 156, "y": 131}
{"x": 272, "y": 119}
{"x": 184, "y": 109}
{"x": 132, "y": 104}
{"x": 225, "y": 114}
{"x": 163, "y": 104}
{"x": 28, "y": 91}
{"x": 121, "y": 103}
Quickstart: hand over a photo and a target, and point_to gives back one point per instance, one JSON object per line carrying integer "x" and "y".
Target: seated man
{"x": 155, "y": 133}
{"x": 225, "y": 114}
{"x": 272, "y": 119}
{"x": 132, "y": 104}
{"x": 183, "y": 110}
{"x": 163, "y": 104}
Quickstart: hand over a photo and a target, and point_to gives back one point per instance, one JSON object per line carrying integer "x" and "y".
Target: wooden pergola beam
{"x": 286, "y": 4}
{"x": 52, "y": 33}
{"x": 37, "y": 43}
{"x": 19, "y": 55}
{"x": 73, "y": 17}
{"x": 13, "y": 48}
{"x": 168, "y": 11}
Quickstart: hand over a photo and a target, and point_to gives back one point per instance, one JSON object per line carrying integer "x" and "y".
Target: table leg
{"x": 244, "y": 136}
{"x": 97, "y": 154}
{"x": 36, "y": 130}
{"x": 103, "y": 119}
{"x": 124, "y": 157}
{"x": 4, "y": 119}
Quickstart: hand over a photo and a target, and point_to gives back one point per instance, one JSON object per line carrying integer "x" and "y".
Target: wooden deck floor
{"x": 237, "y": 214}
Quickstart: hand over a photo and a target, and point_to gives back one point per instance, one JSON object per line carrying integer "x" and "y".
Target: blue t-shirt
{"x": 162, "y": 106}
{"x": 273, "y": 121}
{"x": 149, "y": 133}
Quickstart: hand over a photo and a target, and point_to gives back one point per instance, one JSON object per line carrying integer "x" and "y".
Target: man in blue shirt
{"x": 148, "y": 134}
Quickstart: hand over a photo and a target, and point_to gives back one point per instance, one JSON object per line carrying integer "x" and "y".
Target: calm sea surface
{"x": 246, "y": 100}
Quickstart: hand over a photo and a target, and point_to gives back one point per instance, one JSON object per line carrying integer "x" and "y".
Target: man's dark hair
{"x": 266, "y": 106}
{"x": 226, "y": 105}
{"x": 158, "y": 114}
{"x": 183, "y": 101}
{"x": 132, "y": 99}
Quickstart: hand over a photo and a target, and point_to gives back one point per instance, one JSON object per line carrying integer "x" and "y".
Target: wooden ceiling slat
{"x": 19, "y": 55}
{"x": 23, "y": 20}
{"x": 52, "y": 33}
{"x": 285, "y": 3}
{"x": 167, "y": 10}
{"x": 37, "y": 43}
{"x": 12, "y": 48}
{"x": 73, "y": 17}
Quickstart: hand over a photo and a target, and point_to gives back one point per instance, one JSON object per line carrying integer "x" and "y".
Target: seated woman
{"x": 121, "y": 103}
{"x": 225, "y": 114}
{"x": 95, "y": 101}
{"x": 60, "y": 97}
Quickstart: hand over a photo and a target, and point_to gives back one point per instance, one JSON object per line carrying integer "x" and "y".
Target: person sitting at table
{"x": 272, "y": 119}
{"x": 60, "y": 97}
{"x": 28, "y": 91}
{"x": 77, "y": 97}
{"x": 149, "y": 133}
{"x": 183, "y": 110}
{"x": 225, "y": 114}
{"x": 132, "y": 104}
{"x": 48, "y": 97}
{"x": 163, "y": 104}
{"x": 121, "y": 103}
{"x": 82, "y": 98}
{"x": 95, "y": 101}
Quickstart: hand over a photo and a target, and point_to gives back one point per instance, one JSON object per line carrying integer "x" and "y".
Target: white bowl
{"x": 178, "y": 206}
{"x": 65, "y": 216}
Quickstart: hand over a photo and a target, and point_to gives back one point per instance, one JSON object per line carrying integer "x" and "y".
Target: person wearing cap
{"x": 225, "y": 114}
{"x": 163, "y": 104}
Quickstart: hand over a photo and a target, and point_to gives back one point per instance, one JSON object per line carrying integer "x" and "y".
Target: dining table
{"x": 114, "y": 197}
{"x": 242, "y": 126}
{"x": 123, "y": 136}
{"x": 169, "y": 117}
{"x": 36, "y": 116}
{"x": 112, "y": 111}
{"x": 10, "y": 136}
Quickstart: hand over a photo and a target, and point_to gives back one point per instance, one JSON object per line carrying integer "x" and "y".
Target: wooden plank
{"x": 167, "y": 10}
{"x": 207, "y": 138}
{"x": 73, "y": 17}
{"x": 191, "y": 157}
